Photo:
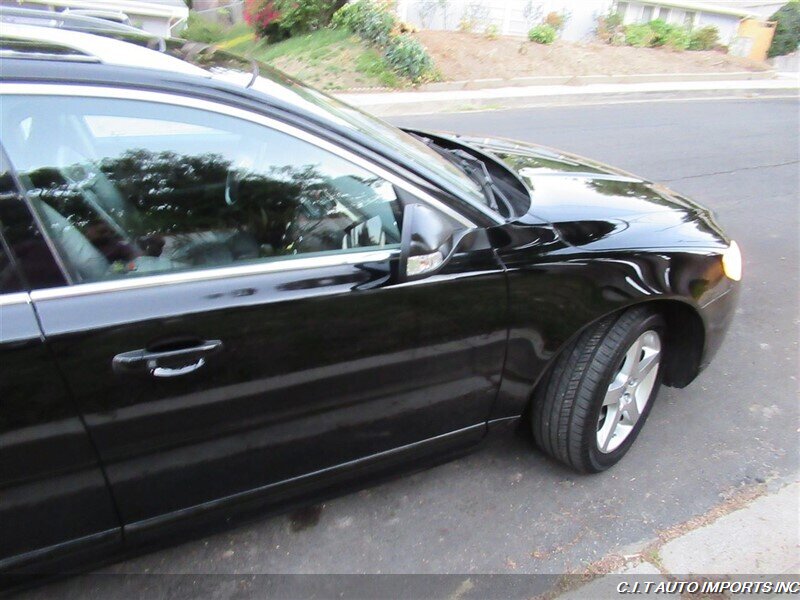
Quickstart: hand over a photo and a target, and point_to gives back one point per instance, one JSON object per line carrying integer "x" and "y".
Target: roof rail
{"x": 24, "y": 41}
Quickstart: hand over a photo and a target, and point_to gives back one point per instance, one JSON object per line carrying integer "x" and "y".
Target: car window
{"x": 128, "y": 187}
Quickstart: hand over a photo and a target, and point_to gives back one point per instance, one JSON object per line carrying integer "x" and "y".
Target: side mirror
{"x": 426, "y": 243}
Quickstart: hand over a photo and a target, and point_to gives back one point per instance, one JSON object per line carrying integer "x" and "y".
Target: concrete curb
{"x": 760, "y": 540}
{"x": 480, "y": 84}
{"x": 408, "y": 103}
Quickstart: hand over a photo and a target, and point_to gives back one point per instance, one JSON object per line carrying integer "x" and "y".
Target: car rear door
{"x": 231, "y": 324}
{"x": 54, "y": 500}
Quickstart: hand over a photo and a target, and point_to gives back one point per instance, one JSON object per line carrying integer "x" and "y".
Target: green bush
{"x": 609, "y": 28}
{"x": 408, "y": 57}
{"x": 202, "y": 30}
{"x": 787, "y": 32}
{"x": 677, "y": 38}
{"x": 673, "y": 36}
{"x": 657, "y": 33}
{"x": 543, "y": 34}
{"x": 705, "y": 38}
{"x": 370, "y": 21}
{"x": 492, "y": 32}
{"x": 661, "y": 30}
{"x": 639, "y": 35}
{"x": 302, "y": 16}
{"x": 377, "y": 25}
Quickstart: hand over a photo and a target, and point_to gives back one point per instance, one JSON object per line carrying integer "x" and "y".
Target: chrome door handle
{"x": 167, "y": 372}
{"x": 138, "y": 361}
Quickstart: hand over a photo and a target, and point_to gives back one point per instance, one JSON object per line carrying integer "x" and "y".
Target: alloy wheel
{"x": 629, "y": 392}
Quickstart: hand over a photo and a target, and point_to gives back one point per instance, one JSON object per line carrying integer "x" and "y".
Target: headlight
{"x": 732, "y": 262}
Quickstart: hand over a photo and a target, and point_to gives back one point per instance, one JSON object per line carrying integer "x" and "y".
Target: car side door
{"x": 55, "y": 503}
{"x": 231, "y": 326}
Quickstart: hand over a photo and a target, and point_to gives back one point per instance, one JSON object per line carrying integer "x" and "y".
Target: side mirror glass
{"x": 427, "y": 242}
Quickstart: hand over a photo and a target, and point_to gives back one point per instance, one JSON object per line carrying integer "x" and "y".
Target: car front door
{"x": 231, "y": 323}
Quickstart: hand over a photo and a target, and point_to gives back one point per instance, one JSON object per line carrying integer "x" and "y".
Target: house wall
{"x": 510, "y": 16}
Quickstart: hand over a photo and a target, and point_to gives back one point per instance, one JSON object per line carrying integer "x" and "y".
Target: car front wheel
{"x": 600, "y": 390}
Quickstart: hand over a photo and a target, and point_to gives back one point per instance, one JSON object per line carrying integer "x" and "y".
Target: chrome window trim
{"x": 14, "y": 298}
{"x": 46, "y": 89}
{"x": 214, "y": 273}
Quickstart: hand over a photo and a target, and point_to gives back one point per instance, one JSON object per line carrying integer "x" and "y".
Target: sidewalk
{"x": 406, "y": 103}
{"x": 759, "y": 539}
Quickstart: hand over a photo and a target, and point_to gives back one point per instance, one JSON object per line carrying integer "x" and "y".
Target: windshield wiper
{"x": 476, "y": 170}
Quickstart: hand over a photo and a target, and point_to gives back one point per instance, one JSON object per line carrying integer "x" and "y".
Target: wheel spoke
{"x": 607, "y": 439}
{"x": 605, "y": 434}
{"x": 646, "y": 365}
{"x": 632, "y": 358}
{"x": 631, "y": 410}
{"x": 615, "y": 390}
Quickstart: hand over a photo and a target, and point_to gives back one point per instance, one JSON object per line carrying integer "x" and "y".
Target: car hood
{"x": 589, "y": 202}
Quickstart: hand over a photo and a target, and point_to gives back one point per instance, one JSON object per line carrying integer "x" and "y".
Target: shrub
{"x": 677, "y": 39}
{"x": 557, "y": 20}
{"x": 262, "y": 15}
{"x": 661, "y": 29}
{"x": 639, "y": 35}
{"x": 199, "y": 29}
{"x": 302, "y": 16}
{"x": 609, "y": 28}
{"x": 377, "y": 25}
{"x": 465, "y": 25}
{"x": 704, "y": 39}
{"x": 491, "y": 32}
{"x": 372, "y": 22}
{"x": 281, "y": 18}
{"x": 787, "y": 31}
{"x": 408, "y": 57}
{"x": 543, "y": 34}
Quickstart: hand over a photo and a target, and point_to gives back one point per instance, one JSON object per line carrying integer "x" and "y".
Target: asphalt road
{"x": 507, "y": 509}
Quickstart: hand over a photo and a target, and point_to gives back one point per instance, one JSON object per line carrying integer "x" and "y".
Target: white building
{"x": 516, "y": 17}
{"x": 155, "y": 16}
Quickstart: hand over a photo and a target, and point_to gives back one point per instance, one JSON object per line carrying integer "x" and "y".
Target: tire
{"x": 583, "y": 413}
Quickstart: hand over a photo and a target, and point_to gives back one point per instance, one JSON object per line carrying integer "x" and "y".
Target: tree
{"x": 787, "y": 32}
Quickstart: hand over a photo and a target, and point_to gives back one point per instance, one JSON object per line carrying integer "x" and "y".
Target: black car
{"x": 222, "y": 290}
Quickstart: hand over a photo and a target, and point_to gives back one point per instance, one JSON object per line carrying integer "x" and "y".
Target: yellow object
{"x": 755, "y": 37}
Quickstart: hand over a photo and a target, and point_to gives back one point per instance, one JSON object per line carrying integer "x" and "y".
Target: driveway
{"x": 508, "y": 509}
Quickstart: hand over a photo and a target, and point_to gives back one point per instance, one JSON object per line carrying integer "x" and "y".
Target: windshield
{"x": 228, "y": 67}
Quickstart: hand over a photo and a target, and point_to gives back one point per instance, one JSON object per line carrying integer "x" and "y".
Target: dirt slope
{"x": 462, "y": 56}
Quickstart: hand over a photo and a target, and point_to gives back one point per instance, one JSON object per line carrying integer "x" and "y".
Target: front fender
{"x": 556, "y": 295}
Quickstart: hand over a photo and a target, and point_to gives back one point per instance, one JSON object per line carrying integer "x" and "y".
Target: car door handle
{"x": 138, "y": 361}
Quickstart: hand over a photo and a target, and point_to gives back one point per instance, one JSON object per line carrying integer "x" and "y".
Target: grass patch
{"x": 372, "y": 64}
{"x": 313, "y": 45}
{"x": 331, "y": 59}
